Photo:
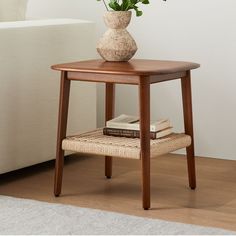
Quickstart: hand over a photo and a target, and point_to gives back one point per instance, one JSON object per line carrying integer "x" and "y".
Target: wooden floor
{"x": 213, "y": 203}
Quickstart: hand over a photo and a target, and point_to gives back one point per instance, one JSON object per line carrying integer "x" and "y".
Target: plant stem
{"x": 105, "y": 4}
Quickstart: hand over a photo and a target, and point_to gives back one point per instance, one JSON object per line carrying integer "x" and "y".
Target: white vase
{"x": 117, "y": 44}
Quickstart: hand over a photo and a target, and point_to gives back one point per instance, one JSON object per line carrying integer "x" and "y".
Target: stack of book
{"x": 128, "y": 126}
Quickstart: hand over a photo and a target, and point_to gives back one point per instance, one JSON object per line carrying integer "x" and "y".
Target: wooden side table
{"x": 135, "y": 72}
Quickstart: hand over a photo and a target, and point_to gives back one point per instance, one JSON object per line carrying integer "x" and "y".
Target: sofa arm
{"x": 29, "y": 89}
{"x": 16, "y": 36}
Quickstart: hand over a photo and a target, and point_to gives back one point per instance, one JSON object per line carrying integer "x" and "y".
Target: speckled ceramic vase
{"x": 117, "y": 44}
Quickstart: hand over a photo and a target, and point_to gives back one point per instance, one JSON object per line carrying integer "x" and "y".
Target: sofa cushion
{"x": 12, "y": 10}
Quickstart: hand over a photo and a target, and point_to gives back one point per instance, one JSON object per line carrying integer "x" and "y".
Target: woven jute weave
{"x": 94, "y": 142}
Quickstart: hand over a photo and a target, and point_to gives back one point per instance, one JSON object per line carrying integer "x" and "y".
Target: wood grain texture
{"x": 166, "y": 77}
{"x": 138, "y": 67}
{"x": 61, "y": 132}
{"x": 188, "y": 124}
{"x": 213, "y": 203}
{"x": 103, "y": 78}
{"x": 110, "y": 110}
{"x": 121, "y": 79}
{"x": 144, "y": 107}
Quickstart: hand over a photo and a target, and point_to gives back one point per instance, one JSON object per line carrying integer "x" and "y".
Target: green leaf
{"x": 134, "y": 2}
{"x": 138, "y": 12}
{"x": 130, "y": 4}
{"x": 125, "y": 5}
{"x": 114, "y": 5}
{"x": 145, "y": 1}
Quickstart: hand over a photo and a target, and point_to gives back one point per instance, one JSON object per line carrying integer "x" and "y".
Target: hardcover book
{"x": 127, "y": 122}
{"x": 135, "y": 133}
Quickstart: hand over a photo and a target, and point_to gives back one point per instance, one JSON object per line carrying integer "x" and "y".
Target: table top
{"x": 137, "y": 67}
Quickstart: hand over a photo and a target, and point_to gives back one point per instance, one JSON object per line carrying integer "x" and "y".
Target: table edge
{"x": 62, "y": 67}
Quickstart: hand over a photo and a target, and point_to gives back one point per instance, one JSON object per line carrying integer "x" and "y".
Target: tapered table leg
{"x": 188, "y": 122}
{"x": 110, "y": 109}
{"x": 144, "y": 103}
{"x": 61, "y": 133}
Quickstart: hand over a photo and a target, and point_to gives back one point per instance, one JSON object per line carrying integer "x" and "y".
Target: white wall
{"x": 193, "y": 30}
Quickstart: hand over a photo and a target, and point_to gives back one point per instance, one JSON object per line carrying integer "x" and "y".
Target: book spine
{"x": 125, "y": 133}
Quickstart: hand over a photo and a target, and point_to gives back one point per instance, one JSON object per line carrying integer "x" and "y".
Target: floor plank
{"x": 213, "y": 203}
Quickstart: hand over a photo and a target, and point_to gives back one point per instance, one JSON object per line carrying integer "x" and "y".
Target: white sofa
{"x": 13, "y": 10}
{"x": 29, "y": 89}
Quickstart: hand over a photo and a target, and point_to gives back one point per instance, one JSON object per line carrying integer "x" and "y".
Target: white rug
{"x": 21, "y": 216}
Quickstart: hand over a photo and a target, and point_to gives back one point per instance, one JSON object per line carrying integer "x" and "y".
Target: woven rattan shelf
{"x": 94, "y": 142}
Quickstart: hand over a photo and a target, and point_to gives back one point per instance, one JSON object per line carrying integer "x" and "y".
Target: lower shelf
{"x": 94, "y": 142}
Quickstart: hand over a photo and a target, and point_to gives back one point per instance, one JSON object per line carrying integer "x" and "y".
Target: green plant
{"x": 125, "y": 5}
